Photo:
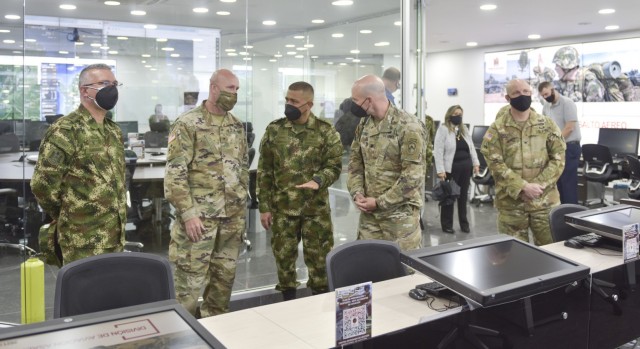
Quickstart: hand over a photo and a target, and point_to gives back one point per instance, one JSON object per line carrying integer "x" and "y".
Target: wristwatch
{"x": 318, "y": 180}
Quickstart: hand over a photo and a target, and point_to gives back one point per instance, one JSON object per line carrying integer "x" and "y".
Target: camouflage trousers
{"x": 316, "y": 234}
{"x": 210, "y": 262}
{"x": 401, "y": 225}
{"x": 518, "y": 222}
{"x": 70, "y": 254}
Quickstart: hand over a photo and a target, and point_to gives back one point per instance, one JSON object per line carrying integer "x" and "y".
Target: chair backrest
{"x": 9, "y": 143}
{"x": 363, "y": 260}
{"x": 598, "y": 162}
{"x": 484, "y": 176}
{"x": 560, "y": 230}
{"x": 634, "y": 175}
{"x": 153, "y": 139}
{"x": 112, "y": 281}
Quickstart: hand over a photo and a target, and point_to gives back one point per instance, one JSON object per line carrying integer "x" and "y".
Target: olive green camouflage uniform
{"x": 388, "y": 163}
{"x": 431, "y": 133}
{"x": 207, "y": 177}
{"x": 291, "y": 155}
{"x": 520, "y": 154}
{"x": 593, "y": 83}
{"x": 79, "y": 181}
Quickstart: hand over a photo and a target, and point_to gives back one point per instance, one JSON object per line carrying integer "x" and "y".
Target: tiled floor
{"x": 256, "y": 271}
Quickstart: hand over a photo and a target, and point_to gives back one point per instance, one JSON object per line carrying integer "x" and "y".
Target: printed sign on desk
{"x": 353, "y": 313}
{"x": 630, "y": 234}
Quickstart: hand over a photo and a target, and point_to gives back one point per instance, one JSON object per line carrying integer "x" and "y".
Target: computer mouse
{"x": 573, "y": 243}
{"x": 418, "y": 294}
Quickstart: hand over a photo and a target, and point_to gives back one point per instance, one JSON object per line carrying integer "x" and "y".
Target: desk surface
{"x": 598, "y": 259}
{"x": 310, "y": 322}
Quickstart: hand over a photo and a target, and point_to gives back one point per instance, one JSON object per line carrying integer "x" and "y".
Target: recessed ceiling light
{"x": 138, "y": 13}
{"x": 232, "y": 54}
{"x": 612, "y": 27}
{"x": 397, "y": 23}
{"x": 29, "y": 40}
{"x": 289, "y": 45}
{"x": 382, "y": 43}
{"x": 167, "y": 49}
{"x": 355, "y": 51}
{"x": 9, "y": 41}
{"x": 366, "y": 31}
{"x": 299, "y": 37}
{"x": 230, "y": 50}
{"x": 143, "y": 61}
{"x": 113, "y": 52}
{"x": 309, "y": 45}
{"x": 343, "y": 63}
{"x": 78, "y": 43}
{"x": 348, "y": 58}
{"x": 269, "y": 22}
{"x": 244, "y": 53}
{"x": 67, "y": 7}
{"x": 273, "y": 60}
{"x": 223, "y": 13}
{"x": 337, "y": 35}
{"x": 314, "y": 57}
{"x": 150, "y": 26}
{"x": 5, "y": 31}
{"x": 246, "y": 58}
{"x": 95, "y": 44}
{"x": 317, "y": 21}
{"x": 200, "y": 10}
{"x": 227, "y": 0}
{"x": 122, "y": 38}
{"x": 12, "y": 17}
{"x": 299, "y": 56}
{"x": 146, "y": 55}
{"x": 248, "y": 47}
{"x": 534, "y": 36}
{"x": 162, "y": 40}
{"x": 301, "y": 48}
{"x": 104, "y": 47}
{"x": 175, "y": 55}
{"x": 292, "y": 53}
{"x": 95, "y": 51}
{"x": 62, "y": 52}
{"x": 488, "y": 7}
{"x": 329, "y": 63}
{"x": 472, "y": 43}
{"x": 606, "y": 11}
{"x": 342, "y": 3}
{"x": 112, "y": 3}
{"x": 356, "y": 61}
{"x": 277, "y": 55}
{"x": 202, "y": 56}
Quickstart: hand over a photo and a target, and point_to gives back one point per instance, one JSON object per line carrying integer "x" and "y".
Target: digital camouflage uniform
{"x": 517, "y": 155}
{"x": 597, "y": 82}
{"x": 430, "y": 128}
{"x": 207, "y": 177}
{"x": 79, "y": 181}
{"x": 291, "y": 155}
{"x": 388, "y": 163}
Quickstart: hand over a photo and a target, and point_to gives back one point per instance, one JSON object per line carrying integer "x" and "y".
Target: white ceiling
{"x": 450, "y": 23}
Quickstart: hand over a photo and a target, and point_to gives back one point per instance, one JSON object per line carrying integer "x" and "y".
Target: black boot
{"x": 289, "y": 294}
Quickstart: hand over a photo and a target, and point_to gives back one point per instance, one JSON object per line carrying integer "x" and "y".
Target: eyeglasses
{"x": 105, "y": 83}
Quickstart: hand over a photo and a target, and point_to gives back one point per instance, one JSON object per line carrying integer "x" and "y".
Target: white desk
{"x": 310, "y": 322}
{"x": 598, "y": 259}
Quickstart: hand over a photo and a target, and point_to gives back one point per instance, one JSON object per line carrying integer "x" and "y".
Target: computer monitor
{"x": 164, "y": 324}
{"x": 621, "y": 142}
{"x": 436, "y": 124}
{"x": 127, "y": 127}
{"x": 605, "y": 221}
{"x": 478, "y": 134}
{"x": 495, "y": 269}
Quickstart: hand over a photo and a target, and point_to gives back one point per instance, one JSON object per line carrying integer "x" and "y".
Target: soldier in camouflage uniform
{"x": 79, "y": 179}
{"x": 387, "y": 167}
{"x": 206, "y": 180}
{"x": 525, "y": 153}
{"x": 598, "y": 82}
{"x": 300, "y": 157}
{"x": 431, "y": 134}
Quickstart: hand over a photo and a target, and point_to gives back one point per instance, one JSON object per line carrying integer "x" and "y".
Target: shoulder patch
{"x": 488, "y": 135}
{"x": 173, "y": 135}
{"x": 412, "y": 146}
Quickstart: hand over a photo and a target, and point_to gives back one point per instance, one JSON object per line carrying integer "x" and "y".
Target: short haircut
{"x": 543, "y": 85}
{"x": 82, "y": 80}
{"x": 305, "y": 87}
{"x": 392, "y": 74}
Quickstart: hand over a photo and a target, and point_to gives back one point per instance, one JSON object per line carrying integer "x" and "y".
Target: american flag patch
{"x": 488, "y": 135}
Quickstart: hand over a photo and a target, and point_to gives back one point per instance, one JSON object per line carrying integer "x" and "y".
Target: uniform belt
{"x": 574, "y": 142}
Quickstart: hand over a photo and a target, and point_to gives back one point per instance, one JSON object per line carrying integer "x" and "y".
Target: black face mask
{"x": 358, "y": 111}
{"x": 550, "y": 97}
{"x": 106, "y": 97}
{"x": 456, "y": 119}
{"x": 521, "y": 103}
{"x": 292, "y": 112}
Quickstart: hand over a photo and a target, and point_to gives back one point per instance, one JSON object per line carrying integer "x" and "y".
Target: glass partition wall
{"x": 166, "y": 62}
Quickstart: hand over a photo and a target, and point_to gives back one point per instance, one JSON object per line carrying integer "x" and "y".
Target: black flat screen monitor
{"x": 605, "y": 221}
{"x": 162, "y": 324}
{"x": 495, "y": 269}
{"x": 127, "y": 127}
{"x": 620, "y": 142}
{"x": 478, "y": 134}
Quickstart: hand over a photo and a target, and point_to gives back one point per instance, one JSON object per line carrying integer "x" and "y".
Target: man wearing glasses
{"x": 79, "y": 179}
{"x": 525, "y": 152}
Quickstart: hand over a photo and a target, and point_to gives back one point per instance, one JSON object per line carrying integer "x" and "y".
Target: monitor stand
{"x": 464, "y": 329}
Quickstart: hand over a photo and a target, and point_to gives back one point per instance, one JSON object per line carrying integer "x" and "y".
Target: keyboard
{"x": 435, "y": 289}
{"x": 590, "y": 239}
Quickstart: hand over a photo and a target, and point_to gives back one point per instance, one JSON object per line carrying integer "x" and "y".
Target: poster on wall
{"x": 601, "y": 77}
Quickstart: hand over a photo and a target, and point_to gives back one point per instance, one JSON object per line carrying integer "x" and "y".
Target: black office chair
{"x": 363, "y": 260}
{"x": 634, "y": 175}
{"x": 111, "y": 281}
{"x": 485, "y": 179}
{"x": 599, "y": 167}
{"x": 560, "y": 230}
{"x": 9, "y": 141}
